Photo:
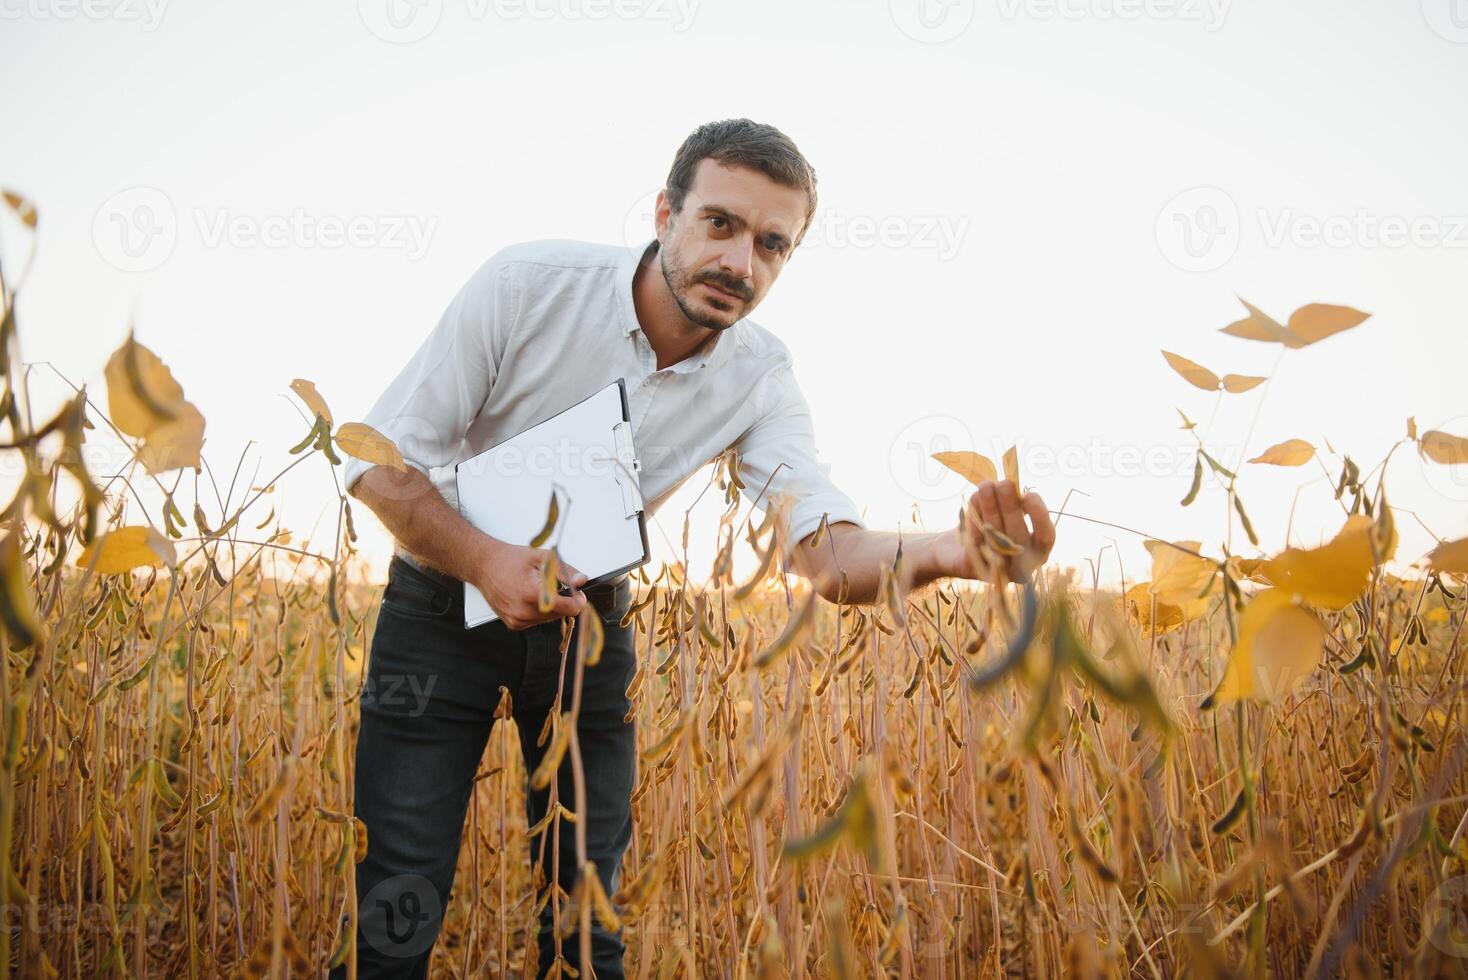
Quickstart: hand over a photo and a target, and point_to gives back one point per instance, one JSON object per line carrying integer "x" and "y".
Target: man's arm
{"x": 929, "y": 556}
{"x": 426, "y": 411}
{"x": 415, "y": 513}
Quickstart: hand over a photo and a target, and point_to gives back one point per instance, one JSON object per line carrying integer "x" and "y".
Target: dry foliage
{"x": 1244, "y": 765}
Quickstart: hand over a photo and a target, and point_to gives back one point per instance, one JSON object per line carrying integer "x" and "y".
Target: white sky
{"x": 1024, "y": 175}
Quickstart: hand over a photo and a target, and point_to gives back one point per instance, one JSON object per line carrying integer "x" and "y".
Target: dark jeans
{"x": 427, "y": 708}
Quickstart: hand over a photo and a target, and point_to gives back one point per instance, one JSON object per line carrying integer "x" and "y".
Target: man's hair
{"x": 743, "y": 143}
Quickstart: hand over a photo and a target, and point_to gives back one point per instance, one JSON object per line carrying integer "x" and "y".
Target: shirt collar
{"x": 711, "y": 355}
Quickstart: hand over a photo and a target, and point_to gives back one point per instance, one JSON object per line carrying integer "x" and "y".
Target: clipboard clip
{"x": 627, "y": 468}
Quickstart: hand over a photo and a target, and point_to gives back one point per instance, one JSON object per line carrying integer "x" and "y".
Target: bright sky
{"x": 1021, "y": 202}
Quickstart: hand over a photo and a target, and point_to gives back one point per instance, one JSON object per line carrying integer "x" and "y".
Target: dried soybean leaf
{"x": 1443, "y": 447}
{"x": 969, "y": 465}
{"x": 127, "y": 548}
{"x": 367, "y": 444}
{"x": 1291, "y": 452}
{"x": 1237, "y": 384}
{"x": 1192, "y": 372}
{"x": 306, "y": 392}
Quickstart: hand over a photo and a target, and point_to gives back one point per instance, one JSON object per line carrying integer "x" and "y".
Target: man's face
{"x": 723, "y": 251}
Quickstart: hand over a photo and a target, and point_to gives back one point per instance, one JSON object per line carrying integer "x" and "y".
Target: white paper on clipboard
{"x": 585, "y": 456}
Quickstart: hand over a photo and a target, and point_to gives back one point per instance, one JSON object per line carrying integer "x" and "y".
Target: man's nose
{"x": 738, "y": 259}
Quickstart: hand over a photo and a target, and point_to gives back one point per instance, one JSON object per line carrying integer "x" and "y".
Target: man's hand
{"x": 510, "y": 580}
{"x": 1000, "y": 506}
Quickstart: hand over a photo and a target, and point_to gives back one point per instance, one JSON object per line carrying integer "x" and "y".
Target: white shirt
{"x": 542, "y": 325}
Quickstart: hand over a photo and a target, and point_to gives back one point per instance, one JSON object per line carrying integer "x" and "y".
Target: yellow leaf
{"x": 1248, "y": 568}
{"x": 1291, "y": 452}
{"x": 1280, "y": 644}
{"x": 549, "y": 582}
{"x": 1320, "y": 320}
{"x": 128, "y": 548}
{"x": 1259, "y": 326}
{"x": 1139, "y": 604}
{"x": 1180, "y": 574}
{"x": 306, "y": 392}
{"x": 1193, "y": 373}
{"x": 1412, "y": 427}
{"x": 174, "y": 445}
{"x": 141, "y": 391}
{"x": 969, "y": 465}
{"x": 145, "y": 402}
{"x": 1335, "y": 574}
{"x": 367, "y": 444}
{"x": 23, "y": 208}
{"x": 553, "y": 514}
{"x": 1237, "y": 384}
{"x": 1011, "y": 465}
{"x": 1450, "y": 556}
{"x": 1443, "y": 447}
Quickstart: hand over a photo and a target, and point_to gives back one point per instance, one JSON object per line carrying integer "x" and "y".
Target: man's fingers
{"x": 989, "y": 505}
{"x": 568, "y": 605}
{"x": 1043, "y": 537}
{"x": 570, "y": 575}
{"x": 1010, "y": 513}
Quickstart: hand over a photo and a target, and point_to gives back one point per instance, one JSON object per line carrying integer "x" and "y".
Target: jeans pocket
{"x": 405, "y": 597}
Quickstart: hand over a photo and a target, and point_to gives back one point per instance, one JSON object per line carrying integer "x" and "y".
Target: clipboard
{"x": 584, "y": 455}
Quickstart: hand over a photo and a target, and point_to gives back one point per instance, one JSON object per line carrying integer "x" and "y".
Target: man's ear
{"x": 662, "y": 216}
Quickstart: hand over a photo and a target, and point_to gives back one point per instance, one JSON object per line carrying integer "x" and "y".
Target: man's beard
{"x": 680, "y": 282}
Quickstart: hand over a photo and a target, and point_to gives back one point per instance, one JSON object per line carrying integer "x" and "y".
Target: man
{"x": 537, "y": 328}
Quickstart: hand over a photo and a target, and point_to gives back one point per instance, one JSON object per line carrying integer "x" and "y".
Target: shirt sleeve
{"x": 427, "y": 409}
{"x": 784, "y": 434}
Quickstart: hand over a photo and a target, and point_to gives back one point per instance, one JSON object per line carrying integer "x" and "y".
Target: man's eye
{"x": 774, "y": 245}
{"x": 719, "y": 221}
